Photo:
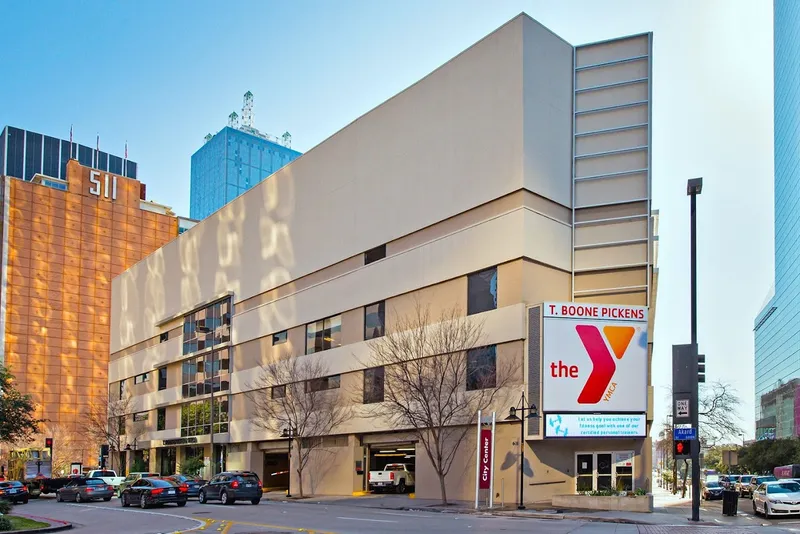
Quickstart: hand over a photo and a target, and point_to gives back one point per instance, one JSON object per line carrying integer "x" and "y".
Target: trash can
{"x": 730, "y": 502}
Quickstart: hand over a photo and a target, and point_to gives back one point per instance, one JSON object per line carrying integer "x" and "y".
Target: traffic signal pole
{"x": 693, "y": 189}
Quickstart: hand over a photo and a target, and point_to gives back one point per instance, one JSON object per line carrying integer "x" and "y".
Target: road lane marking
{"x": 370, "y": 520}
{"x": 429, "y": 516}
{"x": 294, "y": 529}
{"x": 200, "y": 523}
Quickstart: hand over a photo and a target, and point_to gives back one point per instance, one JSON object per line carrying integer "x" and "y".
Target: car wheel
{"x": 401, "y": 487}
{"x": 182, "y": 504}
{"x": 767, "y": 513}
{"x": 201, "y": 497}
{"x": 124, "y": 501}
{"x": 224, "y": 497}
{"x": 78, "y": 497}
{"x": 25, "y": 501}
{"x": 142, "y": 502}
{"x": 58, "y": 497}
{"x": 106, "y": 499}
{"x": 755, "y": 510}
{"x": 255, "y": 501}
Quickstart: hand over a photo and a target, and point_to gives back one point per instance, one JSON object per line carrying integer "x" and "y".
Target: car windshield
{"x": 766, "y": 479}
{"x": 713, "y": 484}
{"x": 178, "y": 478}
{"x": 395, "y": 467}
{"x": 94, "y": 481}
{"x": 162, "y": 483}
{"x": 783, "y": 487}
{"x": 105, "y": 474}
{"x": 250, "y": 479}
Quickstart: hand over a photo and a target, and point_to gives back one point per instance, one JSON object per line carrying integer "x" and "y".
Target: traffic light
{"x": 682, "y": 447}
{"x": 48, "y": 443}
{"x": 701, "y": 368}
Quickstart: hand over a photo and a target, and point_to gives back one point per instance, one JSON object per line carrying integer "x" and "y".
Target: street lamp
{"x": 203, "y": 329}
{"x": 533, "y": 413}
{"x": 693, "y": 188}
{"x": 289, "y": 433}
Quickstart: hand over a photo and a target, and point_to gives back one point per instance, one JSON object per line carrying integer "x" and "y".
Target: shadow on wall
{"x": 320, "y": 465}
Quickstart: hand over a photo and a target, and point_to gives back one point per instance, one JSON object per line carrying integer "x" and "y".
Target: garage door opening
{"x": 379, "y": 456}
{"x": 276, "y": 471}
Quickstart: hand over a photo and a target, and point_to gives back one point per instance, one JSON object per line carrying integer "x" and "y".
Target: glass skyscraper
{"x": 229, "y": 164}
{"x": 777, "y": 326}
{"x": 24, "y": 154}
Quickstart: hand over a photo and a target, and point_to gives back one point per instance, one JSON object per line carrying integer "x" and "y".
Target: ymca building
{"x": 511, "y": 184}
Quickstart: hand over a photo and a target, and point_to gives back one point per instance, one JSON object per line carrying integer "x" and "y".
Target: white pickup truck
{"x": 397, "y": 476}
{"x": 109, "y": 477}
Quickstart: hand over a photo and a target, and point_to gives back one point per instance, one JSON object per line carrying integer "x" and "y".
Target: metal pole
{"x": 491, "y": 463}
{"x": 213, "y": 454}
{"x": 695, "y": 417}
{"x": 521, "y": 505}
{"x": 289, "y": 483}
{"x": 478, "y": 464}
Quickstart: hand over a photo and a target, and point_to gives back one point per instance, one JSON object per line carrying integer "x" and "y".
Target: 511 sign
{"x": 107, "y": 187}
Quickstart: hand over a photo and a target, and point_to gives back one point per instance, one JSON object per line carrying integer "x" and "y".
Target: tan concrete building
{"x": 516, "y": 174}
{"x": 64, "y": 241}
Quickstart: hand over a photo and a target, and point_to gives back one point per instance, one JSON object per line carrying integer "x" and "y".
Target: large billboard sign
{"x": 595, "y": 358}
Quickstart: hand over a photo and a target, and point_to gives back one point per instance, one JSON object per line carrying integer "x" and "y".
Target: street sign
{"x": 684, "y": 433}
{"x": 682, "y": 407}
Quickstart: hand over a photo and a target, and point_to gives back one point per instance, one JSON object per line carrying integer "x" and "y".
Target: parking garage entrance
{"x": 276, "y": 471}
{"x": 393, "y": 453}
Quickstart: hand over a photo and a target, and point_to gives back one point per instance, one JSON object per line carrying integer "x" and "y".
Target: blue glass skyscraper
{"x": 777, "y": 326}
{"x": 229, "y": 164}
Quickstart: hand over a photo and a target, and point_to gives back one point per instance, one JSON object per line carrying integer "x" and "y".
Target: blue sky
{"x": 163, "y": 74}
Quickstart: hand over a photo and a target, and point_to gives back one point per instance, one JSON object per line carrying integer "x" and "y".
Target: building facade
{"x": 63, "y": 242}
{"x": 229, "y": 164}
{"x": 542, "y": 233}
{"x": 24, "y": 154}
{"x": 777, "y": 348}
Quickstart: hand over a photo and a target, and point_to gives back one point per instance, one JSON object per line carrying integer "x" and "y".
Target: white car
{"x": 779, "y": 497}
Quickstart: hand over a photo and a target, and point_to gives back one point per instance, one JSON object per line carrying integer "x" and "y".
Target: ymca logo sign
{"x": 595, "y": 365}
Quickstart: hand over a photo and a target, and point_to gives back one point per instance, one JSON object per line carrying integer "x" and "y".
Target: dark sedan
{"x": 193, "y": 483}
{"x": 712, "y": 491}
{"x": 147, "y": 492}
{"x": 14, "y": 491}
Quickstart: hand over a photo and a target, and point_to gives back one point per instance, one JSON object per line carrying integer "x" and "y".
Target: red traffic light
{"x": 679, "y": 447}
{"x": 48, "y": 442}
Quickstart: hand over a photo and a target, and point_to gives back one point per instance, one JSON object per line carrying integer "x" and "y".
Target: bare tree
{"x": 434, "y": 383}
{"x": 719, "y": 412}
{"x": 68, "y": 446}
{"x": 298, "y": 393}
{"x": 109, "y": 422}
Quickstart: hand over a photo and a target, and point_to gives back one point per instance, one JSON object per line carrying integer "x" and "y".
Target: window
{"x": 162, "y": 378}
{"x": 278, "y": 392}
{"x": 141, "y": 416}
{"x": 161, "y": 419}
{"x": 375, "y": 254}
{"x": 198, "y": 376}
{"x": 121, "y": 389}
{"x": 210, "y": 325}
{"x": 121, "y": 425}
{"x": 482, "y": 368}
{"x": 482, "y": 291}
{"x": 373, "y": 385}
{"x": 374, "y": 320}
{"x": 163, "y": 337}
{"x": 324, "y": 334}
{"x": 322, "y": 384}
{"x": 144, "y": 377}
{"x": 604, "y": 471}
{"x": 280, "y": 337}
{"x": 196, "y": 417}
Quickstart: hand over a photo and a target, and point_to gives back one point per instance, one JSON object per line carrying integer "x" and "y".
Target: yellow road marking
{"x": 295, "y": 529}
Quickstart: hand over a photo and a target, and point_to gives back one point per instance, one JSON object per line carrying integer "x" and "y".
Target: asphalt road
{"x": 273, "y": 517}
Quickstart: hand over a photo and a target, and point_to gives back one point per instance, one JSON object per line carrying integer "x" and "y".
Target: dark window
{"x": 374, "y": 320}
{"x": 51, "y": 158}
{"x": 114, "y": 164}
{"x": 65, "y": 157}
{"x": 33, "y": 154}
{"x": 161, "y": 419}
{"x": 162, "y": 378}
{"x": 280, "y": 337}
{"x": 163, "y": 337}
{"x": 482, "y": 291}
{"x": 278, "y": 392}
{"x": 2, "y": 151}
{"x": 322, "y": 384}
{"x": 375, "y": 254}
{"x": 16, "y": 152}
{"x": 121, "y": 425}
{"x": 198, "y": 374}
{"x": 373, "y": 385}
{"x": 121, "y": 389}
{"x": 323, "y": 335}
{"x": 141, "y": 416}
{"x": 85, "y": 155}
{"x": 144, "y": 377}
{"x": 210, "y": 325}
{"x": 102, "y": 161}
{"x": 130, "y": 169}
{"x": 482, "y": 368}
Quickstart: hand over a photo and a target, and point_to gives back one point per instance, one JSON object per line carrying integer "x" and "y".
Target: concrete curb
{"x": 56, "y": 525}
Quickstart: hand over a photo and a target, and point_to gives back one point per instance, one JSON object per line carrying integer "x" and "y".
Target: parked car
{"x": 729, "y": 481}
{"x": 231, "y": 486}
{"x": 778, "y": 497}
{"x": 756, "y": 481}
{"x": 743, "y": 486}
{"x": 147, "y": 492}
{"x": 133, "y": 477}
{"x": 109, "y": 476}
{"x": 193, "y": 483}
{"x": 85, "y": 489}
{"x": 712, "y": 490}
{"x": 396, "y": 476}
{"x": 14, "y": 491}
